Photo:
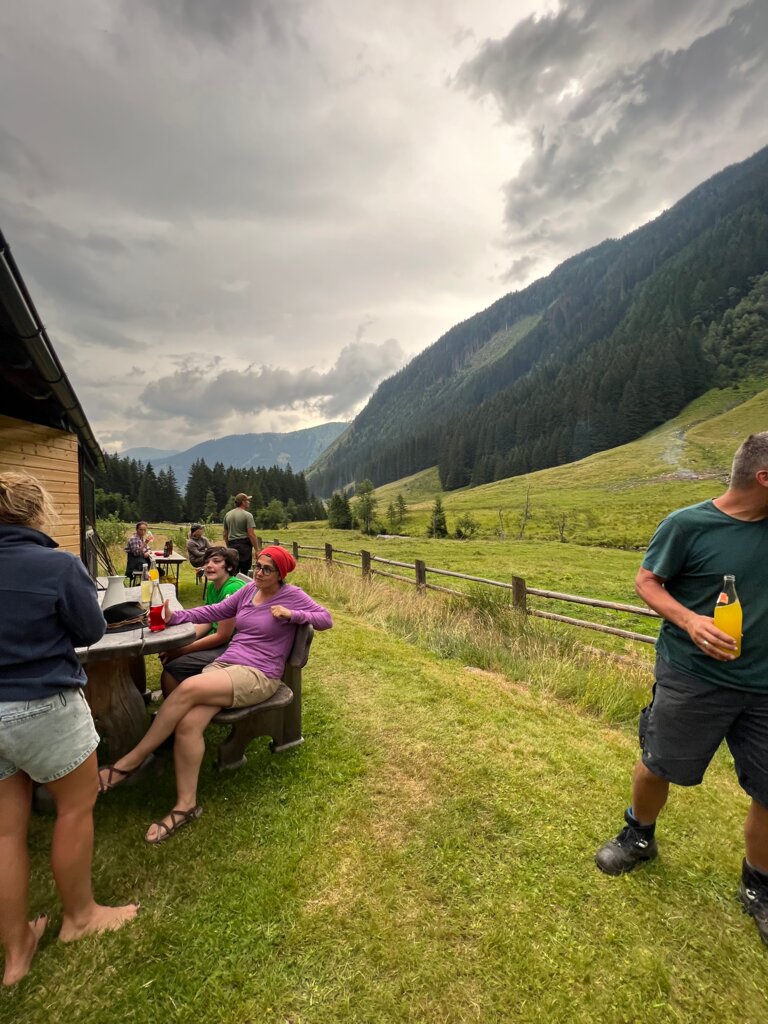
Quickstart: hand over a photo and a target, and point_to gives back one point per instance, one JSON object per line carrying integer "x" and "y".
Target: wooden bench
{"x": 278, "y": 717}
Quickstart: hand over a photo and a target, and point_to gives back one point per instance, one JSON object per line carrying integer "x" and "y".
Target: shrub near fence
{"x": 367, "y": 563}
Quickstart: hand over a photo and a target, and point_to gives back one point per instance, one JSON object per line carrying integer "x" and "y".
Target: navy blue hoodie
{"x": 48, "y": 606}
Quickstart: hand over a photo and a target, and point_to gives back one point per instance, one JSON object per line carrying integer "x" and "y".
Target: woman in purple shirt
{"x": 248, "y": 671}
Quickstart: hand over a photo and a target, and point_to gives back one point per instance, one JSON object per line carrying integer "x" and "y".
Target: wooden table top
{"x": 138, "y": 642}
{"x": 174, "y": 559}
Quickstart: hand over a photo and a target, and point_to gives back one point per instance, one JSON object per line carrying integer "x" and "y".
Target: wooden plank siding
{"x": 52, "y": 456}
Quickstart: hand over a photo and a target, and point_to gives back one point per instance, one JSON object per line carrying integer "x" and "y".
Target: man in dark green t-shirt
{"x": 705, "y": 692}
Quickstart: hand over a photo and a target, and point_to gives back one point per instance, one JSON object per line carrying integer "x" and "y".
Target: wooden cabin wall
{"x": 52, "y": 456}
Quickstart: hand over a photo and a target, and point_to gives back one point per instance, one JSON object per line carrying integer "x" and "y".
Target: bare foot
{"x": 17, "y": 967}
{"x": 101, "y": 919}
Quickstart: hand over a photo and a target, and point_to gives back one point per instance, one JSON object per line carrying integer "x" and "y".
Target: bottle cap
{"x": 154, "y": 574}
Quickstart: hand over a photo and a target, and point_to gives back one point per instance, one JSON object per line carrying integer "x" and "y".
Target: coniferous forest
{"x": 130, "y": 490}
{"x": 612, "y": 343}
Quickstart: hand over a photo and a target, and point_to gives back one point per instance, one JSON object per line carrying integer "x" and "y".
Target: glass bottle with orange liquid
{"x": 728, "y": 612}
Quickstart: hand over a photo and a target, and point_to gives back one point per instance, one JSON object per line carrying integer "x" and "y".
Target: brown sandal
{"x": 179, "y": 819}
{"x": 115, "y": 775}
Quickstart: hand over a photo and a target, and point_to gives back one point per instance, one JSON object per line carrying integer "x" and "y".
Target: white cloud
{"x": 215, "y": 394}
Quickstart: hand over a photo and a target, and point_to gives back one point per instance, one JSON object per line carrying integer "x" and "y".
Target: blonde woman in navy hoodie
{"x": 48, "y": 606}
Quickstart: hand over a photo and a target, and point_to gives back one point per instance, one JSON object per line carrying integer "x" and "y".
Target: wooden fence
{"x": 368, "y": 563}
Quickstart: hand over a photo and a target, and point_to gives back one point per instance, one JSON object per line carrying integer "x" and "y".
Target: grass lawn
{"x": 426, "y": 855}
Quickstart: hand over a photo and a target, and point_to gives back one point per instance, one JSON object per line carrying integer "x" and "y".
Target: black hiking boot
{"x": 753, "y": 893}
{"x": 633, "y": 845}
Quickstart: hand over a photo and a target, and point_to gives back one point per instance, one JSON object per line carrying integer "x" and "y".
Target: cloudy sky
{"x": 241, "y": 215}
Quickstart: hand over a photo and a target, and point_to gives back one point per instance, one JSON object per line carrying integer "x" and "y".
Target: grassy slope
{"x": 615, "y": 497}
{"x": 425, "y": 856}
{"x": 502, "y": 342}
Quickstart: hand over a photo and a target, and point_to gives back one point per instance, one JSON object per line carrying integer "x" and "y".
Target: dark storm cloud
{"x": 201, "y": 395}
{"x": 76, "y": 271}
{"x": 222, "y": 22}
{"x": 21, "y": 163}
{"x": 621, "y": 101}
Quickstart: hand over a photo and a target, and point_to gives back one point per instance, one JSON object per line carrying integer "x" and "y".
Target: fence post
{"x": 365, "y": 559}
{"x": 328, "y": 554}
{"x": 421, "y": 575}
{"x": 519, "y": 594}
{"x": 296, "y": 550}
{"x": 259, "y": 545}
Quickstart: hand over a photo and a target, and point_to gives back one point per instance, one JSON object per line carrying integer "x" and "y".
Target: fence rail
{"x": 520, "y": 591}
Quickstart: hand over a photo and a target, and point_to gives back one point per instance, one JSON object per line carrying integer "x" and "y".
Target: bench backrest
{"x": 299, "y": 655}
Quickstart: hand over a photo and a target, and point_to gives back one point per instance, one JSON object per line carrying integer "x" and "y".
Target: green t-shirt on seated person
{"x": 213, "y": 596}
{"x": 692, "y": 549}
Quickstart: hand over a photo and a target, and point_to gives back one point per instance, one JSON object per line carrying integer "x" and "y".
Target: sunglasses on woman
{"x": 267, "y": 570}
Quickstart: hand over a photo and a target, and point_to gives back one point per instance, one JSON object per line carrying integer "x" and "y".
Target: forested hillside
{"x": 129, "y": 490}
{"x": 612, "y": 343}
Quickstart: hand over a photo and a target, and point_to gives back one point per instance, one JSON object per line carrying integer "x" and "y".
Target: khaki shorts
{"x": 250, "y": 686}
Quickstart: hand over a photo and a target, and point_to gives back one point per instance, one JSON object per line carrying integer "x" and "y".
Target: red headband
{"x": 284, "y": 560}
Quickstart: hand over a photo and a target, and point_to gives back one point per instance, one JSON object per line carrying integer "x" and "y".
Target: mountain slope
{"x": 298, "y": 449}
{"x": 612, "y": 343}
{"x": 613, "y": 498}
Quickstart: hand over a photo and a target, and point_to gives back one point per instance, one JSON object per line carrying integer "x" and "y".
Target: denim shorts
{"x": 688, "y": 719}
{"x": 48, "y": 737}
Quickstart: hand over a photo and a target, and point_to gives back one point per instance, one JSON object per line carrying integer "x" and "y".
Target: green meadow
{"x": 425, "y": 856}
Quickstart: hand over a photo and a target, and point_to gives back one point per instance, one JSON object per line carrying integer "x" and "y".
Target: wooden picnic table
{"x": 172, "y": 565}
{"x": 117, "y": 681}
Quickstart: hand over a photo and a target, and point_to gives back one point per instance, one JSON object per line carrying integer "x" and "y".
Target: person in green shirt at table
{"x": 220, "y": 567}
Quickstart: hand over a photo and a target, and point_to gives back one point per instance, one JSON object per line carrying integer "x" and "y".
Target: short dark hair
{"x": 230, "y": 556}
{"x": 751, "y": 457}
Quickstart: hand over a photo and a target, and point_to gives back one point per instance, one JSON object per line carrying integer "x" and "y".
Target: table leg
{"x": 119, "y": 712}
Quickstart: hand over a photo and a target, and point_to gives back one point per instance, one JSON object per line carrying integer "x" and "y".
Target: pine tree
{"x": 402, "y": 509}
{"x": 437, "y": 525}
{"x": 365, "y": 506}
{"x": 210, "y": 508}
{"x": 198, "y": 484}
{"x": 150, "y": 501}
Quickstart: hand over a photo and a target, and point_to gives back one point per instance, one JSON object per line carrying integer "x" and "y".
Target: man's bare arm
{"x": 700, "y": 628}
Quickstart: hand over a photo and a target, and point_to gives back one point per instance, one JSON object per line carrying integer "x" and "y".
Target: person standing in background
{"x": 48, "y": 606}
{"x": 240, "y": 532}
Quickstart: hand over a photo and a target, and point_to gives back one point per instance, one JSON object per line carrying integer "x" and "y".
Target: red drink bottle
{"x": 156, "y": 617}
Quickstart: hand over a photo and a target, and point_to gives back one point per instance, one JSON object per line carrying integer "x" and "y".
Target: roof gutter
{"x": 32, "y": 336}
